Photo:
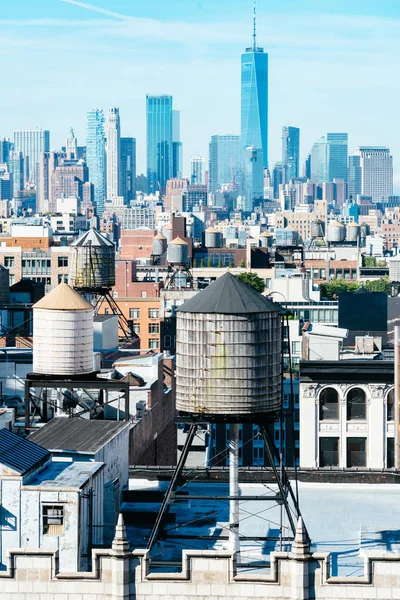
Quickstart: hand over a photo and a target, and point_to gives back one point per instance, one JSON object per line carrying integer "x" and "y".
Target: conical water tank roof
{"x": 229, "y": 296}
{"x": 178, "y": 241}
{"x": 160, "y": 236}
{"x": 63, "y": 297}
{"x": 92, "y": 238}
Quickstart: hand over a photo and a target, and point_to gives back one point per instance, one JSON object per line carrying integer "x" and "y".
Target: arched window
{"x": 390, "y": 406}
{"x": 356, "y": 404}
{"x": 328, "y": 405}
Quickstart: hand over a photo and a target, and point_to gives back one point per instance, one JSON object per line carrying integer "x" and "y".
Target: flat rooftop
{"x": 76, "y": 435}
{"x": 347, "y": 520}
{"x": 60, "y": 474}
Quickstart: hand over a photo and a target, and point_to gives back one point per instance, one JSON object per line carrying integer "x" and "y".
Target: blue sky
{"x": 334, "y": 66}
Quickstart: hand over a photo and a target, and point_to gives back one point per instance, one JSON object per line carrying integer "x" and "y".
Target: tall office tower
{"x": 376, "y": 172}
{"x": 254, "y": 98}
{"x": 48, "y": 161}
{"x": 354, "y": 177}
{"x": 278, "y": 177}
{"x": 320, "y": 161}
{"x": 176, "y": 145}
{"x": 307, "y": 167}
{"x": 96, "y": 157}
{"x": 5, "y": 149}
{"x": 338, "y": 155}
{"x": 291, "y": 152}
{"x": 159, "y": 142}
{"x": 197, "y": 170}
{"x": 16, "y": 168}
{"x": 113, "y": 150}
{"x": 67, "y": 180}
{"x": 72, "y": 146}
{"x": 225, "y": 162}
{"x": 31, "y": 143}
{"x": 128, "y": 168}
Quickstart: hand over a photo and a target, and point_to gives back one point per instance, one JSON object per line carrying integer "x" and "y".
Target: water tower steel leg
{"x": 234, "y": 487}
{"x": 171, "y": 486}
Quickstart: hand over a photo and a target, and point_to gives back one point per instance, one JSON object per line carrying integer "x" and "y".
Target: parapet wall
{"x": 122, "y": 575}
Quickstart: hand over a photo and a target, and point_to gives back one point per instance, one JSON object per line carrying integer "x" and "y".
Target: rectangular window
{"x": 153, "y": 344}
{"x": 258, "y": 454}
{"x": 356, "y": 452}
{"x": 323, "y": 273}
{"x": 268, "y": 284}
{"x": 154, "y": 328}
{"x": 144, "y": 294}
{"x": 11, "y": 278}
{"x": 167, "y": 341}
{"x": 53, "y": 519}
{"x": 153, "y": 313}
{"x": 134, "y": 313}
{"x": 390, "y": 453}
{"x": 136, "y": 328}
{"x": 8, "y": 261}
{"x": 63, "y": 261}
{"x": 296, "y": 347}
{"x": 328, "y": 452}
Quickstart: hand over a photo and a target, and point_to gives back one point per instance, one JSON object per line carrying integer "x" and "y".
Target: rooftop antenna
{"x": 254, "y": 27}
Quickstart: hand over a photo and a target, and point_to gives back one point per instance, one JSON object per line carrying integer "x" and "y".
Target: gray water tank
{"x": 317, "y": 228}
{"x": 364, "y": 230}
{"x": 159, "y": 244}
{"x": 228, "y": 353}
{"x": 352, "y": 232}
{"x": 167, "y": 232}
{"x": 92, "y": 262}
{"x": 4, "y": 285}
{"x": 212, "y": 238}
{"x": 178, "y": 252}
{"x": 336, "y": 232}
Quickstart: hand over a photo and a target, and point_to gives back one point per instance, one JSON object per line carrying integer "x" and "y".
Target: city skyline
{"x": 313, "y": 85}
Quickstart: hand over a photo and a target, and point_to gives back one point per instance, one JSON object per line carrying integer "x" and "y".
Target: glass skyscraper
{"x": 32, "y": 143}
{"x": 225, "y": 161}
{"x": 254, "y": 99}
{"x": 354, "y": 177}
{"x": 159, "y": 142}
{"x": 176, "y": 145}
{"x": 291, "y": 152}
{"x": 96, "y": 157}
{"x": 338, "y": 155}
{"x": 128, "y": 168}
{"x": 320, "y": 161}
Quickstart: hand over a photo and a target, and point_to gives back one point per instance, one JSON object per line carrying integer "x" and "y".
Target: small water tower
{"x": 229, "y": 371}
{"x": 62, "y": 333}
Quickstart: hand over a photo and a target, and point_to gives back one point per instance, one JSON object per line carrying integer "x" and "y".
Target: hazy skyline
{"x": 330, "y": 71}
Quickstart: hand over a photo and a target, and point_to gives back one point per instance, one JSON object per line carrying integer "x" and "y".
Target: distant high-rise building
{"x": 278, "y": 177}
{"x": 320, "y": 161}
{"x": 354, "y": 177}
{"x": 16, "y": 168}
{"x": 68, "y": 179}
{"x": 71, "y": 147}
{"x": 338, "y": 156}
{"x": 197, "y": 170}
{"x": 307, "y": 167}
{"x": 128, "y": 168}
{"x": 96, "y": 157}
{"x": 176, "y": 145}
{"x": 291, "y": 152}
{"x": 113, "y": 150}
{"x": 5, "y": 149}
{"x": 159, "y": 142}
{"x": 32, "y": 143}
{"x": 225, "y": 162}
{"x": 376, "y": 172}
{"x": 48, "y": 161}
{"x": 254, "y": 98}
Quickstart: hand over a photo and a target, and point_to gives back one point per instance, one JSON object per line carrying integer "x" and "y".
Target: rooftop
{"x": 20, "y": 454}
{"x": 92, "y": 238}
{"x": 77, "y": 435}
{"x": 60, "y": 474}
{"x": 229, "y": 296}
